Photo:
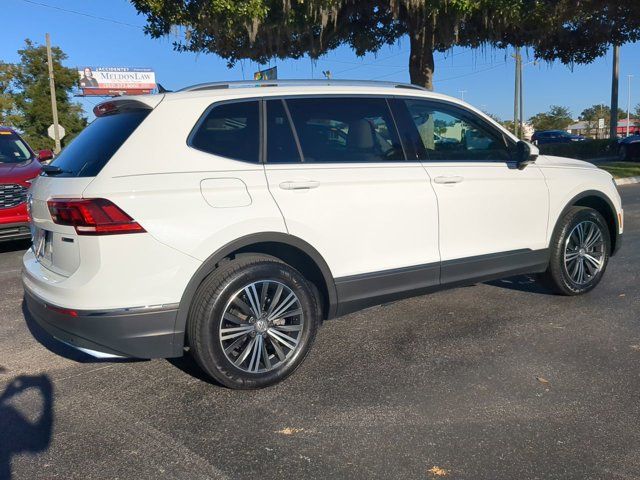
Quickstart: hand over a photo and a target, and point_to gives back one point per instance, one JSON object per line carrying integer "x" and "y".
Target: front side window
{"x": 342, "y": 129}
{"x": 230, "y": 130}
{"x": 452, "y": 134}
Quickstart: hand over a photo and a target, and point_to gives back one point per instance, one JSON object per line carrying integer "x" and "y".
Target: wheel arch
{"x": 603, "y": 205}
{"x": 288, "y": 248}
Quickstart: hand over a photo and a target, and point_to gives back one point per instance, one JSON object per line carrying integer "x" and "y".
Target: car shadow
{"x": 63, "y": 350}
{"x": 18, "y": 433}
{"x": 14, "y": 246}
{"x": 188, "y": 365}
{"x": 521, "y": 283}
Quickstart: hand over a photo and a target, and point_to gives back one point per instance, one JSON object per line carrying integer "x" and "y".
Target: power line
{"x": 444, "y": 79}
{"x": 75, "y": 12}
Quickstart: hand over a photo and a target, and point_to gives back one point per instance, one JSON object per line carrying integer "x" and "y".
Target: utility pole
{"x": 54, "y": 105}
{"x": 462, "y": 92}
{"x": 628, "y": 102}
{"x": 517, "y": 99}
{"x": 613, "y": 124}
{"x": 521, "y": 91}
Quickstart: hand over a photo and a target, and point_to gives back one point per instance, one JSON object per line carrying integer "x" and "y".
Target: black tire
{"x": 557, "y": 277}
{"x": 623, "y": 153}
{"x": 216, "y": 294}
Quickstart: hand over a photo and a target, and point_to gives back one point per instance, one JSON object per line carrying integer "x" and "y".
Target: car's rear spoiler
{"x": 127, "y": 104}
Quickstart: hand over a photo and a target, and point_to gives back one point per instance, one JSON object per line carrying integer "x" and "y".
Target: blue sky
{"x": 486, "y": 76}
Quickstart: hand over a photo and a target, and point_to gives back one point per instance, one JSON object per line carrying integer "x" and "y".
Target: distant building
{"x": 583, "y": 128}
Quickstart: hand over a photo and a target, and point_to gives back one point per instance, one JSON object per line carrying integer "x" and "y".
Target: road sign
{"x": 52, "y": 134}
{"x": 601, "y": 123}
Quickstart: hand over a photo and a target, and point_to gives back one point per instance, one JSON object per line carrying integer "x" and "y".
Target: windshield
{"x": 12, "y": 148}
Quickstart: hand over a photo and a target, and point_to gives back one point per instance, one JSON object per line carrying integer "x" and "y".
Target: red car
{"x": 19, "y": 165}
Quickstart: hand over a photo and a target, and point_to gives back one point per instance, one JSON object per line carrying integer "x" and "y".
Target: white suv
{"x": 230, "y": 220}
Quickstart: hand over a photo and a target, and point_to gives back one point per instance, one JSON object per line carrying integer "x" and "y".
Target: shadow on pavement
{"x": 521, "y": 283}
{"x": 17, "y": 433}
{"x": 63, "y": 350}
{"x": 188, "y": 365}
{"x": 14, "y": 246}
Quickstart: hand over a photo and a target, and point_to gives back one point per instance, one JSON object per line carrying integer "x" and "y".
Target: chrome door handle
{"x": 299, "y": 185}
{"x": 448, "y": 180}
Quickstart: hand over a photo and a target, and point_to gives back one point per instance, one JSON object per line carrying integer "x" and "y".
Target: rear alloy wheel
{"x": 579, "y": 252}
{"x": 252, "y": 322}
{"x": 261, "y": 326}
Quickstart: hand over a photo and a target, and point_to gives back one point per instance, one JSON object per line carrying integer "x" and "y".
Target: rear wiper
{"x": 53, "y": 170}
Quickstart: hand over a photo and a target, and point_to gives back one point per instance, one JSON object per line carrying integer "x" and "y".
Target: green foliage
{"x": 621, "y": 169}
{"x": 260, "y": 30}
{"x": 587, "y": 149}
{"x": 26, "y": 84}
{"x": 595, "y": 112}
{"x": 557, "y": 118}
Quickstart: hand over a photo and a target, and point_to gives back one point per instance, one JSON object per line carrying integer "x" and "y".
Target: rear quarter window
{"x": 90, "y": 151}
{"x": 230, "y": 130}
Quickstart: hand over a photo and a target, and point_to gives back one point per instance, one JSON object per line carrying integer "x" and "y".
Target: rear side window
{"x": 230, "y": 130}
{"x": 90, "y": 151}
{"x": 339, "y": 129}
{"x": 281, "y": 144}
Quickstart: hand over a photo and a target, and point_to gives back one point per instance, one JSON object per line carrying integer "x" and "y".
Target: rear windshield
{"x": 13, "y": 149}
{"x": 88, "y": 153}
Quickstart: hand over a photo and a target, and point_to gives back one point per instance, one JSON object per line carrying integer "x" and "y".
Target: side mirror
{"x": 525, "y": 154}
{"x": 44, "y": 155}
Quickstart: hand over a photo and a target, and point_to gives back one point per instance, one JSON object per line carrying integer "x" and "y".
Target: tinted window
{"x": 345, "y": 129}
{"x": 452, "y": 134}
{"x": 90, "y": 151}
{"x": 230, "y": 130}
{"x": 12, "y": 148}
{"x": 281, "y": 145}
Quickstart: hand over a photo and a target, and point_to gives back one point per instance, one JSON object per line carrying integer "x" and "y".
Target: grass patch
{"x": 621, "y": 169}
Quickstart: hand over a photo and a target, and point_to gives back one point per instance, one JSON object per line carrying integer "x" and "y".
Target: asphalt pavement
{"x": 501, "y": 380}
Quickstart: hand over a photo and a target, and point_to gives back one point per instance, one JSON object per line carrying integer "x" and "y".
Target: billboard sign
{"x": 269, "y": 74}
{"x": 107, "y": 81}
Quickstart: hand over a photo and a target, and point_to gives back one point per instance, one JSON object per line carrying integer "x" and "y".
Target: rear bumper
{"x": 145, "y": 332}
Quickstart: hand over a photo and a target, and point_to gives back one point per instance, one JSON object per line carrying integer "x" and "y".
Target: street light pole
{"x": 54, "y": 105}
{"x": 628, "y": 102}
{"x": 516, "y": 98}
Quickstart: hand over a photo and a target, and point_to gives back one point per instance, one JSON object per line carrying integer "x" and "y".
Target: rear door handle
{"x": 448, "y": 180}
{"x": 299, "y": 185}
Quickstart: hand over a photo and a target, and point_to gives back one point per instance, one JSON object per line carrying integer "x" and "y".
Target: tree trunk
{"x": 421, "y": 64}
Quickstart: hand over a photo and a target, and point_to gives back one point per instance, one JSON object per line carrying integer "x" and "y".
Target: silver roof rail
{"x": 302, "y": 83}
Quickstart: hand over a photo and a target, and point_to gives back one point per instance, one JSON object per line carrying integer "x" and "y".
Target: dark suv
{"x": 555, "y": 136}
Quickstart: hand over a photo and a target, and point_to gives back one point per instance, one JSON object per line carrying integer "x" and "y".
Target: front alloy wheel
{"x": 578, "y": 252}
{"x": 584, "y": 252}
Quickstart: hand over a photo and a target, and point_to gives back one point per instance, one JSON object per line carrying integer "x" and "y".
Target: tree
{"x": 557, "y": 118}
{"x": 260, "y": 30}
{"x": 7, "y": 103}
{"x": 27, "y": 84}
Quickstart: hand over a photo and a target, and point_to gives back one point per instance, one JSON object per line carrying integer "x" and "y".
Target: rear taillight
{"x": 92, "y": 216}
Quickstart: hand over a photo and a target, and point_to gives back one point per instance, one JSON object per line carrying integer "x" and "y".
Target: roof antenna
{"x": 161, "y": 89}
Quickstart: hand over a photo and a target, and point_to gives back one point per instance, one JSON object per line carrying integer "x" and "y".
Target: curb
{"x": 627, "y": 181}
